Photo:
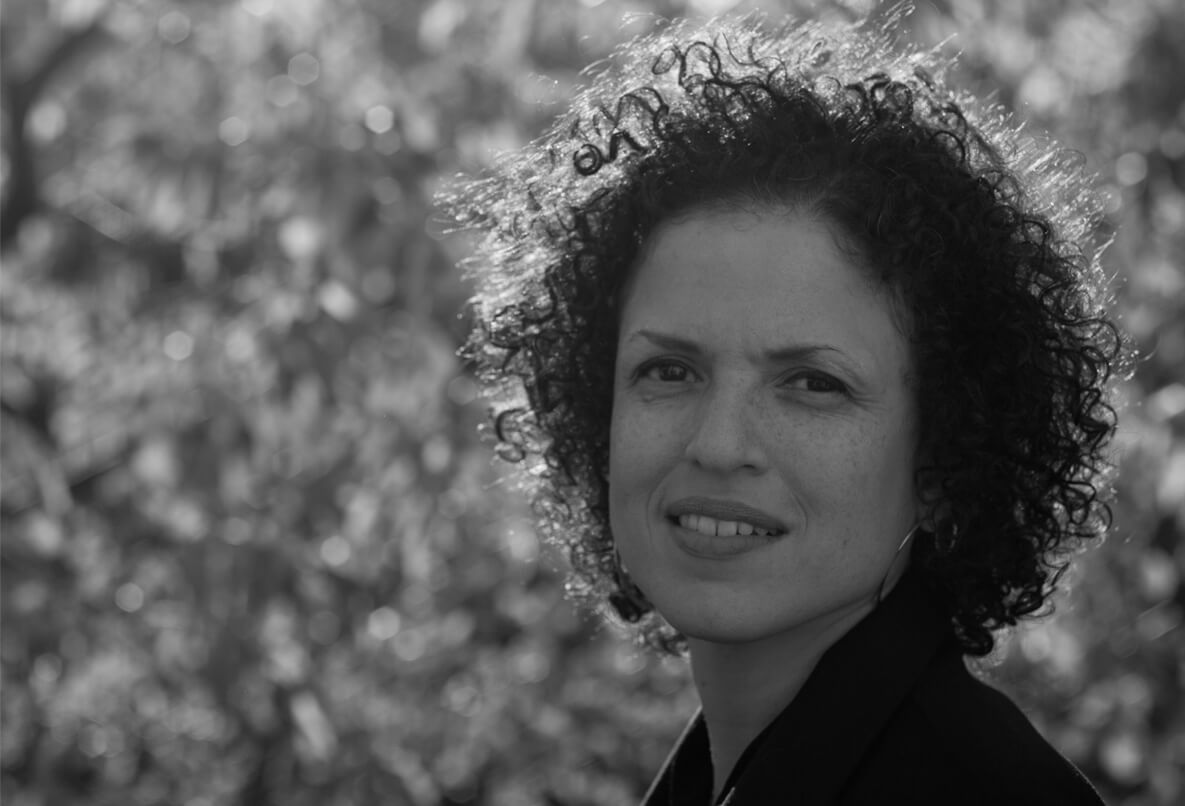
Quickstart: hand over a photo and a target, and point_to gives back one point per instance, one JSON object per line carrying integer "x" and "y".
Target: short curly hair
{"x": 987, "y": 239}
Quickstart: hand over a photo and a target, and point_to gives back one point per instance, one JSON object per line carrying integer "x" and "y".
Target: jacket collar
{"x": 812, "y": 748}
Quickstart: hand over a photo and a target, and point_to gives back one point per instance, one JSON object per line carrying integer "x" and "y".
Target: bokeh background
{"x": 253, "y": 551}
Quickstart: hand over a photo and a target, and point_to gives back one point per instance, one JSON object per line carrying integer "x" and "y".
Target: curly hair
{"x": 986, "y": 238}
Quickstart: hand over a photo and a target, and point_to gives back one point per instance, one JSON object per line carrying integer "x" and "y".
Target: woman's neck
{"x": 744, "y": 686}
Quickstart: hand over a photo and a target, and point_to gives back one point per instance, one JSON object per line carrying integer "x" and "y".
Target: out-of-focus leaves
{"x": 252, "y": 551}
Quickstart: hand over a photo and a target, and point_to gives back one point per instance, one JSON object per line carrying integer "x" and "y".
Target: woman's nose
{"x": 723, "y": 433}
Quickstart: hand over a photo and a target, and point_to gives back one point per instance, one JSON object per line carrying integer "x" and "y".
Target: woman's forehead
{"x": 759, "y": 282}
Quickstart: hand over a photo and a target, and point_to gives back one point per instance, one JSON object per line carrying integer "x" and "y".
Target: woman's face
{"x": 763, "y": 431}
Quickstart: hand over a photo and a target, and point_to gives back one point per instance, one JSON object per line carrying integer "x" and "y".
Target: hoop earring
{"x": 880, "y": 593}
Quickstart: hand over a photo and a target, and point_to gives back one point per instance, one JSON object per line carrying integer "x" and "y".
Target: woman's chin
{"x": 737, "y": 625}
{"x": 727, "y": 628}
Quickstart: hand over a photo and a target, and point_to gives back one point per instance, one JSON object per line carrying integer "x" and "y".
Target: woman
{"x": 810, "y": 360}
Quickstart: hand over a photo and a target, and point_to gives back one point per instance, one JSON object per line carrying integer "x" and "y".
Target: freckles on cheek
{"x": 629, "y": 427}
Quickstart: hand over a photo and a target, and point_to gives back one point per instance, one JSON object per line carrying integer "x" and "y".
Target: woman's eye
{"x": 665, "y": 372}
{"x": 817, "y": 382}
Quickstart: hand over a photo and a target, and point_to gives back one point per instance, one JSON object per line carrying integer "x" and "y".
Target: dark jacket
{"x": 889, "y": 716}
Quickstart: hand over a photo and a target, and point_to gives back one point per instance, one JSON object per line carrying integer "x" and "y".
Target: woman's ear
{"x": 932, "y": 507}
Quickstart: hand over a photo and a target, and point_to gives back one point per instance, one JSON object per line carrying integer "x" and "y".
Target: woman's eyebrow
{"x": 854, "y": 363}
{"x": 797, "y": 352}
{"x": 666, "y": 341}
{"x": 776, "y": 355}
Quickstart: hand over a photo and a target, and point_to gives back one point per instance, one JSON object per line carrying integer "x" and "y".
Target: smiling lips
{"x": 716, "y": 518}
{"x": 714, "y": 528}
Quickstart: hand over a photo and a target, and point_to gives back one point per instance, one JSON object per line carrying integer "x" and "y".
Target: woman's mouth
{"x": 721, "y": 517}
{"x": 720, "y": 528}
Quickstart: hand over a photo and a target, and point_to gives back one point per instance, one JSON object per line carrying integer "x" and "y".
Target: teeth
{"x": 710, "y": 526}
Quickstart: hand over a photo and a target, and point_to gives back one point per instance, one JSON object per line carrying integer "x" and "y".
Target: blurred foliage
{"x": 253, "y": 552}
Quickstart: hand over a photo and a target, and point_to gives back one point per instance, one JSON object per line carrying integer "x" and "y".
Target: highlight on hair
{"x": 984, "y": 235}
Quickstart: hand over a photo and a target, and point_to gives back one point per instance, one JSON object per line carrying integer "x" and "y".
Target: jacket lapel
{"x": 686, "y": 775}
{"x": 813, "y": 747}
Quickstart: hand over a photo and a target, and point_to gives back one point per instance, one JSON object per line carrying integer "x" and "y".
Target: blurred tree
{"x": 253, "y": 551}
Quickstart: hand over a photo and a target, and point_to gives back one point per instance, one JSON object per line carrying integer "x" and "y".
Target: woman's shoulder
{"x": 957, "y": 737}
